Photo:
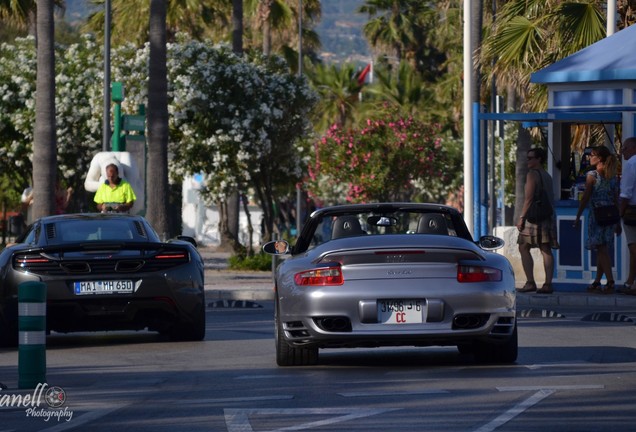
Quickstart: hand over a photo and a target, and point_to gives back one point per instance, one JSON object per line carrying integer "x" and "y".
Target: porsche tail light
{"x": 320, "y": 277}
{"x": 466, "y": 273}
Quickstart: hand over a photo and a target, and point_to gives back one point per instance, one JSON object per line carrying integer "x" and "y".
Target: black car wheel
{"x": 192, "y": 330}
{"x": 506, "y": 352}
{"x": 286, "y": 355}
{"x": 8, "y": 334}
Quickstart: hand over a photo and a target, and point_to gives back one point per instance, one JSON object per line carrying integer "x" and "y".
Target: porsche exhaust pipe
{"x": 469, "y": 321}
{"x": 337, "y": 324}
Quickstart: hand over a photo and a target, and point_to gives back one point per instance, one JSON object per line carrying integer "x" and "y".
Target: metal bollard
{"x": 32, "y": 334}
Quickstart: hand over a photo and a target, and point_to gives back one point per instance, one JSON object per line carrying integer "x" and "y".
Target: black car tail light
{"x": 468, "y": 273}
{"x": 323, "y": 276}
{"x": 35, "y": 263}
{"x": 172, "y": 255}
{"x": 102, "y": 262}
{"x": 165, "y": 259}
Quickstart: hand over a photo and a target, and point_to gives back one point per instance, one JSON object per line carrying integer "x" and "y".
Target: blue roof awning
{"x": 564, "y": 117}
{"x": 610, "y": 59}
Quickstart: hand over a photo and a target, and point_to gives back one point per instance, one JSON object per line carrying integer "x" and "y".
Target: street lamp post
{"x": 106, "y": 116}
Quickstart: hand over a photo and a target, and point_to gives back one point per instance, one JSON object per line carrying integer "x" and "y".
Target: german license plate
{"x": 103, "y": 287}
{"x": 401, "y": 311}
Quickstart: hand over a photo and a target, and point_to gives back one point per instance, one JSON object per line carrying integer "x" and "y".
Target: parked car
{"x": 105, "y": 272}
{"x": 392, "y": 274}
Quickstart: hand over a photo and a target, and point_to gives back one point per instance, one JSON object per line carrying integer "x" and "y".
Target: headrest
{"x": 346, "y": 226}
{"x": 432, "y": 223}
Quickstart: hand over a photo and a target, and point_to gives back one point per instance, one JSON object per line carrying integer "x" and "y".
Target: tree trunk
{"x": 157, "y": 190}
{"x": 250, "y": 227}
{"x": 231, "y": 235}
{"x": 477, "y": 14}
{"x": 237, "y": 26}
{"x": 233, "y": 210}
{"x": 265, "y": 9}
{"x": 44, "y": 137}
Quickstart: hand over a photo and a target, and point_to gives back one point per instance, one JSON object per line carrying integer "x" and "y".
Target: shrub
{"x": 259, "y": 262}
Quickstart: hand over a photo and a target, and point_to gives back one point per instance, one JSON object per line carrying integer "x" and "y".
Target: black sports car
{"x": 105, "y": 272}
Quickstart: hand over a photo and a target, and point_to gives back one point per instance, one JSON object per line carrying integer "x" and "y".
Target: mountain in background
{"x": 340, "y": 29}
{"x": 78, "y": 10}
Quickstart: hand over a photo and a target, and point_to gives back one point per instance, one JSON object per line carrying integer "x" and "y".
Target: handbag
{"x": 540, "y": 208}
{"x": 607, "y": 215}
{"x": 629, "y": 217}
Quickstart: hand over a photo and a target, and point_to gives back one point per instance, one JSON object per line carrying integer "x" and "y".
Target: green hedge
{"x": 260, "y": 262}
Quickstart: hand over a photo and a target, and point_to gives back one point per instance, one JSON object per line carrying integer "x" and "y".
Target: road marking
{"x": 237, "y": 420}
{"x": 562, "y": 387}
{"x": 393, "y": 393}
{"x": 554, "y": 365}
{"x": 542, "y": 393}
{"x": 273, "y": 376}
{"x": 236, "y": 399}
{"x": 515, "y": 411}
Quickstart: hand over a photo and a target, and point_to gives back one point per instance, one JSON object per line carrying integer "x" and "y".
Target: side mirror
{"x": 490, "y": 243}
{"x": 188, "y": 239}
{"x": 278, "y": 247}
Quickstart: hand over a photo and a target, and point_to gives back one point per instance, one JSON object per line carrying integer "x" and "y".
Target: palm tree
{"x": 237, "y": 26}
{"x": 339, "y": 92}
{"x": 18, "y": 16}
{"x": 198, "y": 18}
{"x": 157, "y": 189}
{"x": 404, "y": 89}
{"x": 229, "y": 210}
{"x": 278, "y": 22}
{"x": 44, "y": 137}
{"x": 397, "y": 26}
{"x": 529, "y": 35}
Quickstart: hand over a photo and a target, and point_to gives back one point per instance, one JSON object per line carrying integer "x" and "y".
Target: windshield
{"x": 332, "y": 227}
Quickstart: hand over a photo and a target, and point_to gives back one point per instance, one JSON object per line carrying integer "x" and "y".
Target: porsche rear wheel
{"x": 286, "y": 355}
{"x": 498, "y": 353}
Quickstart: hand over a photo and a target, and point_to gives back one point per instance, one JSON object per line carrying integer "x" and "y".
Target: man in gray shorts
{"x": 628, "y": 198}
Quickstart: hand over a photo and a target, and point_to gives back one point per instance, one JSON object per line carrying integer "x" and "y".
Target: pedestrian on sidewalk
{"x": 601, "y": 189}
{"x": 628, "y": 200}
{"x": 537, "y": 234}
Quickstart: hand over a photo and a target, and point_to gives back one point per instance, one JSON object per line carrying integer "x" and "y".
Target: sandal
{"x": 545, "y": 289}
{"x": 625, "y": 288}
{"x": 595, "y": 287}
{"x": 528, "y": 287}
{"x": 609, "y": 288}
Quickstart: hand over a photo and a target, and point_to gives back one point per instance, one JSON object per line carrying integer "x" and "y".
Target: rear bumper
{"x": 157, "y": 314}
{"x": 455, "y": 315}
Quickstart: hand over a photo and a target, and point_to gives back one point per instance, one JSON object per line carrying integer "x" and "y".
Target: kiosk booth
{"x": 596, "y": 85}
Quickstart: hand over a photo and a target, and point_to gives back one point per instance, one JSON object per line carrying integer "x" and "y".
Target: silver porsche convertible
{"x": 392, "y": 274}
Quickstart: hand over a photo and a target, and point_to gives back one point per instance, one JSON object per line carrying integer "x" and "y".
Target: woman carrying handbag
{"x": 601, "y": 197}
{"x": 537, "y": 224}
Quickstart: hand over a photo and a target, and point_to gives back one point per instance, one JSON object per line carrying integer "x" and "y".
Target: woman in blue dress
{"x": 601, "y": 189}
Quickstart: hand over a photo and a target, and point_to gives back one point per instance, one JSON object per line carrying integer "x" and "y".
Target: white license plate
{"x": 103, "y": 287}
{"x": 401, "y": 311}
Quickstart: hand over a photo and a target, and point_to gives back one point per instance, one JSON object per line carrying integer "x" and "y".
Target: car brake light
{"x": 320, "y": 277}
{"x": 172, "y": 255}
{"x": 27, "y": 260}
{"x": 477, "y": 274}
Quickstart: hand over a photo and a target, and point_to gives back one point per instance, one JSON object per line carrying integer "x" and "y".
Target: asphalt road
{"x": 572, "y": 374}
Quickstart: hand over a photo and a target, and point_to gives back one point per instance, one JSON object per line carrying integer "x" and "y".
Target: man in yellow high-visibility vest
{"x": 116, "y": 194}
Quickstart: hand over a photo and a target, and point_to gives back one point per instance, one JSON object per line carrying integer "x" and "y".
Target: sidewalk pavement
{"x": 232, "y": 285}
